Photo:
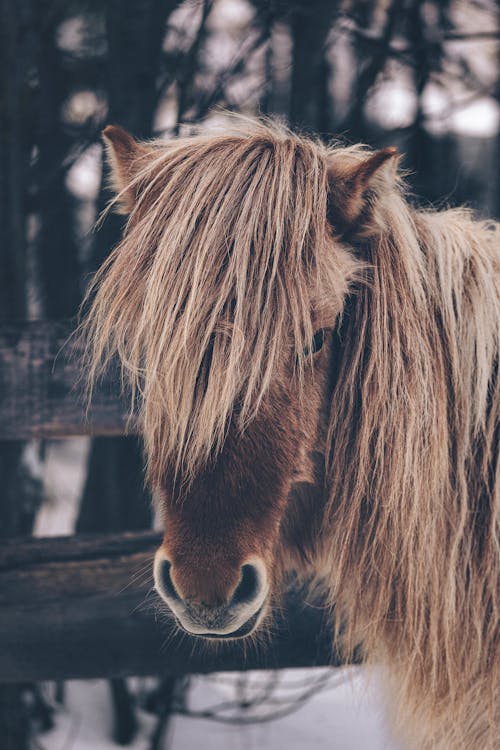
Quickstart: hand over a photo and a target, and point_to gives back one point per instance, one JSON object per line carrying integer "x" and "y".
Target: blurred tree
{"x": 19, "y": 496}
{"x": 310, "y": 104}
{"x": 114, "y": 496}
{"x": 134, "y": 34}
{"x": 371, "y": 61}
{"x": 56, "y": 242}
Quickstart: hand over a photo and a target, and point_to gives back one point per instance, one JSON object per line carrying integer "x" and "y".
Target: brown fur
{"x": 376, "y": 459}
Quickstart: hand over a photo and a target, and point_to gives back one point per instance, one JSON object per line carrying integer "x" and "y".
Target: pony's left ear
{"x": 124, "y": 154}
{"x": 353, "y": 186}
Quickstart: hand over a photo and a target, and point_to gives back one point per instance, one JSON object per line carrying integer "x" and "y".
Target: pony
{"x": 314, "y": 366}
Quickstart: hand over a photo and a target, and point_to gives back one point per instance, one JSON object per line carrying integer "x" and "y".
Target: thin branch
{"x": 370, "y": 73}
{"x": 218, "y": 92}
{"x": 186, "y": 79}
{"x": 283, "y": 707}
{"x": 375, "y": 39}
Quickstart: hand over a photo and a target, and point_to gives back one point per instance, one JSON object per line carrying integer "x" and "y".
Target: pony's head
{"x": 220, "y": 302}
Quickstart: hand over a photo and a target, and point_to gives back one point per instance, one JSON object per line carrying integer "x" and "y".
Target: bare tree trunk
{"x": 114, "y": 497}
{"x": 14, "y": 166}
{"x": 370, "y": 67}
{"x": 134, "y": 30}
{"x": 309, "y": 102}
{"x": 15, "y": 511}
{"x": 14, "y": 721}
{"x": 432, "y": 159}
{"x": 56, "y": 246}
{"x": 125, "y": 719}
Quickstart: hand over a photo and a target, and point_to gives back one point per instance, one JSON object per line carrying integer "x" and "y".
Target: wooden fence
{"x": 80, "y": 607}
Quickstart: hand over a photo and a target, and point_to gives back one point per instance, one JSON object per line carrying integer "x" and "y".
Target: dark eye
{"x": 317, "y": 343}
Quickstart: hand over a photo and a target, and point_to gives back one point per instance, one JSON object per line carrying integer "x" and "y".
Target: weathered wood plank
{"x": 41, "y": 386}
{"x": 83, "y": 607}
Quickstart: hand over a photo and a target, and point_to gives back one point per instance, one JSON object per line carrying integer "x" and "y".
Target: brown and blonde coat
{"x": 369, "y": 458}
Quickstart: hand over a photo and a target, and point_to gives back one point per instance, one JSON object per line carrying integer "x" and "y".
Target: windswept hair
{"x": 210, "y": 290}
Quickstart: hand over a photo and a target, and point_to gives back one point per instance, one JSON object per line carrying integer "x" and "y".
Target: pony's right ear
{"x": 123, "y": 154}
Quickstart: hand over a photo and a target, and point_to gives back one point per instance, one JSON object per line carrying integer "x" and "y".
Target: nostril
{"x": 166, "y": 581}
{"x": 248, "y": 586}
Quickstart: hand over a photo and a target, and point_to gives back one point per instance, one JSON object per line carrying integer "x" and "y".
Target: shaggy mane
{"x": 222, "y": 252}
{"x": 414, "y": 471}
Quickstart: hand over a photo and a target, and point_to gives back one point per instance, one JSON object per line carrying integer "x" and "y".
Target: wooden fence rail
{"x": 83, "y": 606}
{"x": 41, "y": 388}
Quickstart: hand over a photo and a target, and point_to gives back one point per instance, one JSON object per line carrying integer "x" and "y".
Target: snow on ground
{"x": 346, "y": 714}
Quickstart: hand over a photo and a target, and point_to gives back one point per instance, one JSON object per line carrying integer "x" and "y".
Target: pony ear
{"x": 123, "y": 155}
{"x": 352, "y": 185}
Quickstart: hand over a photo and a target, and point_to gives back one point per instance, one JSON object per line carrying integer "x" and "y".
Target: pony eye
{"x": 317, "y": 343}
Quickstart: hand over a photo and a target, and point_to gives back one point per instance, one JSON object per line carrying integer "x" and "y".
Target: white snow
{"x": 345, "y": 716}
